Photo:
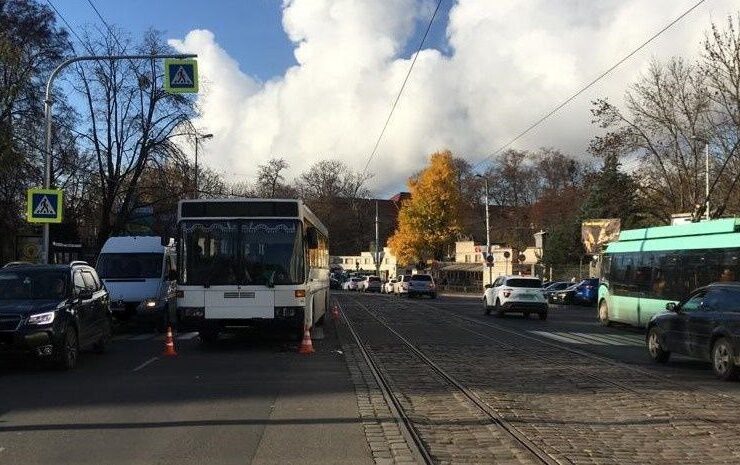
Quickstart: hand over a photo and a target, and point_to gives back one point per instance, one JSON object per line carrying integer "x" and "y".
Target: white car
{"x": 422, "y": 284}
{"x": 388, "y": 287}
{"x": 515, "y": 294}
{"x": 352, "y": 284}
{"x": 402, "y": 285}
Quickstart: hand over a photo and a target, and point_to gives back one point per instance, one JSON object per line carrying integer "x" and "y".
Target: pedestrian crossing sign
{"x": 44, "y": 206}
{"x": 180, "y": 76}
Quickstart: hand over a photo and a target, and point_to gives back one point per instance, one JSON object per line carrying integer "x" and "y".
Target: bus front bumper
{"x": 283, "y": 316}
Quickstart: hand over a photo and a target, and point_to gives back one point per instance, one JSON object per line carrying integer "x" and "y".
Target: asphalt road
{"x": 250, "y": 399}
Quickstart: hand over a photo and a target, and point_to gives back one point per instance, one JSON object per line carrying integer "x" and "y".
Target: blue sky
{"x": 249, "y": 30}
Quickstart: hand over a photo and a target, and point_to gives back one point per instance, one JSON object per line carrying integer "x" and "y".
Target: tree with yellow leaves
{"x": 429, "y": 221}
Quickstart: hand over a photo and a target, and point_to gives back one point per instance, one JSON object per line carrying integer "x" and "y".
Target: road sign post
{"x": 180, "y": 76}
{"x": 44, "y": 206}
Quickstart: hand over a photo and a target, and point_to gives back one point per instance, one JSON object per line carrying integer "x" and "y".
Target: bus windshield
{"x": 241, "y": 252}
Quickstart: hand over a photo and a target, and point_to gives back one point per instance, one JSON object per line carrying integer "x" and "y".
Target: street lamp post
{"x": 706, "y": 174}
{"x": 488, "y": 230}
{"x": 48, "y": 102}
{"x": 198, "y": 137}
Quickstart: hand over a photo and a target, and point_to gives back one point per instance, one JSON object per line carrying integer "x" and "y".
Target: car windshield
{"x": 373, "y": 279}
{"x": 356, "y": 280}
{"x": 421, "y": 277}
{"x": 33, "y": 284}
{"x": 129, "y": 265}
{"x": 243, "y": 252}
{"x": 523, "y": 282}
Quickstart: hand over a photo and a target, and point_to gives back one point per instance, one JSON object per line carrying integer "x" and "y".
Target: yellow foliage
{"x": 429, "y": 221}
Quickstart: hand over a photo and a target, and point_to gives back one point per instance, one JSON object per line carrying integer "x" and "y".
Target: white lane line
{"x": 615, "y": 338}
{"x": 585, "y": 339}
{"x": 187, "y": 336}
{"x": 142, "y": 337}
{"x": 603, "y": 340}
{"x": 556, "y": 337}
{"x": 151, "y": 360}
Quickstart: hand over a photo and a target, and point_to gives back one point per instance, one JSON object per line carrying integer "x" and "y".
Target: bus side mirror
{"x": 312, "y": 238}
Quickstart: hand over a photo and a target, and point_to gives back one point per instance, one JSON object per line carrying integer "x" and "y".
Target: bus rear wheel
{"x": 604, "y": 314}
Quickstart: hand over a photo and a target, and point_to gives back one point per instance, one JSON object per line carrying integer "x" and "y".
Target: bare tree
{"x": 130, "y": 122}
{"x": 270, "y": 178}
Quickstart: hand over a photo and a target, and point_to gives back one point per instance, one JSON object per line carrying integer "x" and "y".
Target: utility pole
{"x": 377, "y": 242}
{"x": 706, "y": 192}
{"x": 198, "y": 137}
{"x": 488, "y": 230}
{"x": 48, "y": 102}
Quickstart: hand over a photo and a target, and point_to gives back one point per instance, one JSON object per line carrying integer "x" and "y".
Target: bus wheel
{"x": 604, "y": 314}
{"x": 723, "y": 360}
{"x": 655, "y": 346}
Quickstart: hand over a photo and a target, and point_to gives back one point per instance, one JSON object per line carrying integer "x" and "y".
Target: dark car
{"x": 53, "y": 312}
{"x": 706, "y": 325}
{"x": 549, "y": 290}
{"x": 583, "y": 293}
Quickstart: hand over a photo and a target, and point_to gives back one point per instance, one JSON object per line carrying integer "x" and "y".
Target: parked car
{"x": 53, "y": 312}
{"x": 12, "y": 264}
{"x": 582, "y": 293}
{"x": 370, "y": 284}
{"x": 554, "y": 287}
{"x": 421, "y": 284}
{"x": 351, "y": 284}
{"x": 389, "y": 286}
{"x": 140, "y": 275}
{"x": 515, "y": 294}
{"x": 402, "y": 285}
{"x": 706, "y": 325}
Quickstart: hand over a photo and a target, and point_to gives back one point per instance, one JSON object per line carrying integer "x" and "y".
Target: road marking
{"x": 187, "y": 336}
{"x": 556, "y": 337}
{"x": 592, "y": 338}
{"x": 151, "y": 360}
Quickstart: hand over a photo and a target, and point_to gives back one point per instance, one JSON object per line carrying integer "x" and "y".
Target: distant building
{"x": 364, "y": 263}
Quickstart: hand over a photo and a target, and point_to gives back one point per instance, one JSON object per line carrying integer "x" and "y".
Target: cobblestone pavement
{"x": 576, "y": 409}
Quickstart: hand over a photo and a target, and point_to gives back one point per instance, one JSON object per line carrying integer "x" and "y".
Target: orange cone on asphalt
{"x": 169, "y": 344}
{"x": 306, "y": 344}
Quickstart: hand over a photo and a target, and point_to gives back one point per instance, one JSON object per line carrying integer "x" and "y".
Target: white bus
{"x": 243, "y": 262}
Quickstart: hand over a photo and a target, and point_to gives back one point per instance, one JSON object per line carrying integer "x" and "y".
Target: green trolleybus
{"x": 647, "y": 268}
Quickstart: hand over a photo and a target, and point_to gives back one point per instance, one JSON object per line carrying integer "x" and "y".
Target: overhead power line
{"x": 64, "y": 20}
{"x": 403, "y": 86}
{"x": 588, "y": 86}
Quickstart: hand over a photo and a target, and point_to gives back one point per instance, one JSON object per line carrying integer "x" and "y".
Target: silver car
{"x": 370, "y": 284}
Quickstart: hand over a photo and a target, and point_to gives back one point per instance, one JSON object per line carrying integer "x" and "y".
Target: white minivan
{"x": 140, "y": 275}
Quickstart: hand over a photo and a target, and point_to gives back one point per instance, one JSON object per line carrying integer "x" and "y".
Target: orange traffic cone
{"x": 306, "y": 344}
{"x": 169, "y": 344}
{"x": 335, "y": 312}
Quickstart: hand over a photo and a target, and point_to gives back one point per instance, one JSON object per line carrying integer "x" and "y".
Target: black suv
{"x": 706, "y": 325}
{"x": 53, "y": 311}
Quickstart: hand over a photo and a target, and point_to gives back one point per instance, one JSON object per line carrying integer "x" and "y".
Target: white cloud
{"x": 510, "y": 62}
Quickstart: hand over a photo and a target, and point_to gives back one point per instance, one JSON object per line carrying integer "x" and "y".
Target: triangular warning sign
{"x": 45, "y": 207}
{"x": 181, "y": 78}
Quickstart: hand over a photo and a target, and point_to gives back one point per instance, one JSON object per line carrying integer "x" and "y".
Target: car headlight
{"x": 41, "y": 318}
{"x": 149, "y": 304}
